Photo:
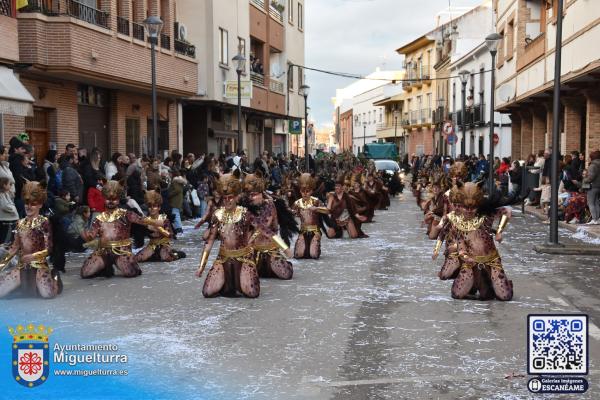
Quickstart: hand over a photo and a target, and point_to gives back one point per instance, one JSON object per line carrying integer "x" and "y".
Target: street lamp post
{"x": 464, "y": 78}
{"x": 304, "y": 90}
{"x": 240, "y": 65}
{"x": 441, "y": 120}
{"x": 364, "y": 135}
{"x": 396, "y": 114}
{"x": 553, "y": 237}
{"x": 153, "y": 25}
{"x": 492, "y": 44}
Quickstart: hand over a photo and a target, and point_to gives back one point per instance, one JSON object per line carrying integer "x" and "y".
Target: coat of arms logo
{"x": 30, "y": 354}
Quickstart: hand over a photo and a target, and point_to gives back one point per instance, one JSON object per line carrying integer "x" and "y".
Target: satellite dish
{"x": 506, "y": 92}
{"x": 182, "y": 32}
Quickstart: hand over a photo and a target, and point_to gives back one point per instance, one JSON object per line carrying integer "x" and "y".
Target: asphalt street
{"x": 369, "y": 320}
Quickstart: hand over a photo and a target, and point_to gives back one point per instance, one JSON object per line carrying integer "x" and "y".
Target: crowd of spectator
{"x": 579, "y": 187}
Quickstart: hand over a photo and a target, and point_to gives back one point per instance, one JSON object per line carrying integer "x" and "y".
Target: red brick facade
{"x": 66, "y": 52}
{"x": 420, "y": 139}
{"x": 346, "y": 126}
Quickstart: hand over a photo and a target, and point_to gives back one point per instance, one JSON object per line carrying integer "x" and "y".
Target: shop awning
{"x": 217, "y": 133}
{"x": 14, "y": 98}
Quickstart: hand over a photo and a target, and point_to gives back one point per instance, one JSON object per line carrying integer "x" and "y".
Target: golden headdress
{"x": 153, "y": 198}
{"x": 229, "y": 184}
{"x": 112, "y": 190}
{"x": 459, "y": 170}
{"x": 469, "y": 195}
{"x": 34, "y": 192}
{"x": 357, "y": 178}
{"x": 306, "y": 180}
{"x": 254, "y": 183}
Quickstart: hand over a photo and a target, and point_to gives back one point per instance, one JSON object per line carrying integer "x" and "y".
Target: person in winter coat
{"x": 95, "y": 198}
{"x": 153, "y": 176}
{"x": 592, "y": 177}
{"x": 19, "y": 166}
{"x": 8, "y": 212}
{"x": 516, "y": 176}
{"x": 176, "y": 199}
{"x": 5, "y": 171}
{"x": 71, "y": 180}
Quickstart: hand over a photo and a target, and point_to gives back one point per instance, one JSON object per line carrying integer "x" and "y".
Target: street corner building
{"x": 525, "y": 76}
{"x": 87, "y": 67}
{"x": 269, "y": 37}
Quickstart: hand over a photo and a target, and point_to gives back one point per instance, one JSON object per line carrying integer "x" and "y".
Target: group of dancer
{"x": 460, "y": 215}
{"x": 254, "y": 227}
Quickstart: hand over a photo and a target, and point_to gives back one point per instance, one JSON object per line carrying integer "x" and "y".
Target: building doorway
{"x": 37, "y": 129}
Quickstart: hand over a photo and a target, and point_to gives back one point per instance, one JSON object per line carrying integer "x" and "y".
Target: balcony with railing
{"x": 88, "y": 14}
{"x": 185, "y": 48}
{"x": 41, "y": 6}
{"x": 165, "y": 41}
{"x": 72, "y": 8}
{"x": 425, "y": 116}
{"x": 81, "y": 44}
{"x": 123, "y": 26}
{"x": 439, "y": 115}
{"x": 257, "y": 79}
{"x": 414, "y": 117}
{"x": 276, "y": 11}
{"x": 6, "y": 8}
{"x": 405, "y": 119}
{"x": 258, "y": 3}
{"x": 138, "y": 31}
{"x": 276, "y": 86}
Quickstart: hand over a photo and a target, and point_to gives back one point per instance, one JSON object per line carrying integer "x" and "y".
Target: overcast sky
{"x": 357, "y": 36}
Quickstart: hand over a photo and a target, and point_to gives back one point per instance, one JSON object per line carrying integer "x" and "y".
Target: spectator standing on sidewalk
{"x": 176, "y": 199}
{"x": 592, "y": 177}
{"x": 8, "y": 212}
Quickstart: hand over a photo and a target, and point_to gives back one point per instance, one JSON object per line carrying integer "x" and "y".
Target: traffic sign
{"x": 448, "y": 128}
{"x": 451, "y": 139}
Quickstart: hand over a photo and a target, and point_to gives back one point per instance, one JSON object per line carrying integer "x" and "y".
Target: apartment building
{"x": 525, "y": 75}
{"x": 418, "y": 99}
{"x": 433, "y": 90}
{"x": 270, "y": 36}
{"x": 15, "y": 100}
{"x": 87, "y": 65}
{"x": 477, "y": 107}
{"x": 359, "y": 100}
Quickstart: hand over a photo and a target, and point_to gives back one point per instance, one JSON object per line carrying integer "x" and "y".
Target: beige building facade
{"x": 270, "y": 36}
{"x": 525, "y": 74}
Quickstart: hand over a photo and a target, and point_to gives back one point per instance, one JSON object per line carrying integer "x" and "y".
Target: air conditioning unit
{"x": 182, "y": 32}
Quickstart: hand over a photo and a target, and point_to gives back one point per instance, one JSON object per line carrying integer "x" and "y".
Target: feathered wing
{"x": 287, "y": 223}
{"x": 490, "y": 205}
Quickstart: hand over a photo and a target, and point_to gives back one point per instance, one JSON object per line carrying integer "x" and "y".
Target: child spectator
{"x": 77, "y": 227}
{"x": 95, "y": 199}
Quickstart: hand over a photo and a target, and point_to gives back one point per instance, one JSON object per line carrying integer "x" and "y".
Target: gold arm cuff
{"x": 438, "y": 246}
{"x": 164, "y": 232}
{"x": 92, "y": 244}
{"x": 282, "y": 245}
{"x": 503, "y": 223}
{"x": 6, "y": 260}
{"x": 323, "y": 210}
{"x": 40, "y": 255}
{"x": 203, "y": 262}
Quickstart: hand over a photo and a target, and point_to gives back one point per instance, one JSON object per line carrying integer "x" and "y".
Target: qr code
{"x": 557, "y": 344}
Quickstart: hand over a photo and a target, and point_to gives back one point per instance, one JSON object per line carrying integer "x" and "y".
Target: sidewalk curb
{"x": 588, "y": 250}
{"x": 562, "y": 224}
